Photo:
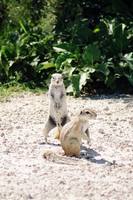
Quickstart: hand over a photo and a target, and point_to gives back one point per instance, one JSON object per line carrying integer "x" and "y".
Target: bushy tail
{"x": 60, "y": 159}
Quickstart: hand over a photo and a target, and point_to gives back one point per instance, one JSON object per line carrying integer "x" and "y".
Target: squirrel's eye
{"x": 87, "y": 112}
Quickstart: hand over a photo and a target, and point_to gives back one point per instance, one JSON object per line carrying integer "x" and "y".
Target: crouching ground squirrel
{"x": 71, "y": 133}
{"x": 58, "y": 115}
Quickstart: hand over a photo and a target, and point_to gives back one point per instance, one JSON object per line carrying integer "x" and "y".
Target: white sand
{"x": 105, "y": 174}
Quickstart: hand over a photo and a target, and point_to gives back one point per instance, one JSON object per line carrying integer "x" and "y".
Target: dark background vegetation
{"x": 89, "y": 41}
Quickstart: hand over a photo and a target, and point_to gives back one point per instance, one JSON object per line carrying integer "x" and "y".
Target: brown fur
{"x": 71, "y": 133}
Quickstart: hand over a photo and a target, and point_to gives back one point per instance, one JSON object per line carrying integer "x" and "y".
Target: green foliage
{"x": 75, "y": 84}
{"x": 25, "y": 55}
{"x": 89, "y": 42}
{"x": 91, "y": 54}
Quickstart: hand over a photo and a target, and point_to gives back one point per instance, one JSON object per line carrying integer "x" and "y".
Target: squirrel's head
{"x": 87, "y": 114}
{"x": 57, "y": 79}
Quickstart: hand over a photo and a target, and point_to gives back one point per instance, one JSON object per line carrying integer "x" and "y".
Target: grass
{"x": 9, "y": 90}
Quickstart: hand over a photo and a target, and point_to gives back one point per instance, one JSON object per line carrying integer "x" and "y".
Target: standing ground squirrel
{"x": 71, "y": 133}
{"x": 58, "y": 115}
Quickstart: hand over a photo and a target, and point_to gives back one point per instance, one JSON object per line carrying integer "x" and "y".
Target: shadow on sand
{"x": 93, "y": 156}
{"x": 49, "y": 143}
{"x": 86, "y": 153}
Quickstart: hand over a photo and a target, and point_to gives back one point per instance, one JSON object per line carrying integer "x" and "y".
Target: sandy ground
{"x": 105, "y": 173}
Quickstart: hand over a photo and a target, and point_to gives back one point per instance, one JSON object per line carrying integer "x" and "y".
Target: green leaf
{"x": 35, "y": 62}
{"x": 83, "y": 79}
{"x": 119, "y": 35}
{"x": 91, "y": 54}
{"x": 59, "y": 50}
{"x": 45, "y": 65}
{"x": 96, "y": 30}
{"x": 129, "y": 57}
{"x": 67, "y": 63}
{"x": 62, "y": 58}
{"x": 69, "y": 89}
{"x": 66, "y": 47}
{"x": 103, "y": 68}
{"x": 129, "y": 60}
{"x": 22, "y": 26}
{"x": 130, "y": 78}
{"x": 75, "y": 78}
{"x": 68, "y": 71}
